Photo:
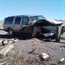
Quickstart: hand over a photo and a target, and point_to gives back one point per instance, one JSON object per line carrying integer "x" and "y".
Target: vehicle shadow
{"x": 62, "y": 38}
{"x": 5, "y": 36}
{"x": 18, "y": 36}
{"x": 24, "y": 36}
{"x": 29, "y": 36}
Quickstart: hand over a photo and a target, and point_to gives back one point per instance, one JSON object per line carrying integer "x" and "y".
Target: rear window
{"x": 9, "y": 20}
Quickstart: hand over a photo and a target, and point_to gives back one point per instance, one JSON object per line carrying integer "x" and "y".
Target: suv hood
{"x": 47, "y": 22}
{"x": 54, "y": 21}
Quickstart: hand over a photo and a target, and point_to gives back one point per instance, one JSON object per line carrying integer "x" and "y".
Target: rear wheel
{"x": 10, "y": 32}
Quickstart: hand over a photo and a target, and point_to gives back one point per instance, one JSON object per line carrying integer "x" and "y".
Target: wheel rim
{"x": 10, "y": 32}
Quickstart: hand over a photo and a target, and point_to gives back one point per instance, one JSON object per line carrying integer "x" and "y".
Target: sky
{"x": 51, "y": 9}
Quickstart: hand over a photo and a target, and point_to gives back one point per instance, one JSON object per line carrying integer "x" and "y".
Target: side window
{"x": 9, "y": 20}
{"x": 17, "y": 20}
{"x": 25, "y": 21}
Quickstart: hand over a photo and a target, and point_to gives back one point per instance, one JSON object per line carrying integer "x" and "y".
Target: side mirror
{"x": 27, "y": 23}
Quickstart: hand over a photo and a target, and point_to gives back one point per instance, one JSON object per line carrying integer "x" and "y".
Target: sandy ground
{"x": 56, "y": 50}
{"x": 25, "y": 45}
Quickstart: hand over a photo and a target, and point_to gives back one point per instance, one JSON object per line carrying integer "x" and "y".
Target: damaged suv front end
{"x": 47, "y": 27}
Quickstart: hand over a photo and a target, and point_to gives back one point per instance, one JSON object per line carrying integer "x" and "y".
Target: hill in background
{"x": 62, "y": 21}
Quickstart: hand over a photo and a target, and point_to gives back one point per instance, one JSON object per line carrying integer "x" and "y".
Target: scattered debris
{"x": 3, "y": 42}
{"x": 45, "y": 56}
{"x": 62, "y": 59}
{"x": 3, "y": 63}
{"x": 63, "y": 46}
{"x": 15, "y": 40}
{"x": 5, "y": 50}
{"x": 41, "y": 58}
{"x": 10, "y": 41}
{"x": 32, "y": 51}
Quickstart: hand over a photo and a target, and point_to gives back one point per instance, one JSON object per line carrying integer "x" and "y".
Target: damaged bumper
{"x": 48, "y": 34}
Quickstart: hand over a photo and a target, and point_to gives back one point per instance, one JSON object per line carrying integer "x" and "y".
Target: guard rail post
{"x": 58, "y": 33}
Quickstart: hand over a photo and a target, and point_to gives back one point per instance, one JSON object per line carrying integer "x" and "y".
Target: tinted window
{"x": 9, "y": 20}
{"x": 25, "y": 20}
{"x": 36, "y": 18}
{"x": 17, "y": 20}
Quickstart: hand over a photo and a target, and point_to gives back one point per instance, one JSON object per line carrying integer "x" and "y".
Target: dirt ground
{"x": 32, "y": 48}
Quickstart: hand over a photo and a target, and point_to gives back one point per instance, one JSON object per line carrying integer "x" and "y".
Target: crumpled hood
{"x": 54, "y": 21}
{"x": 47, "y": 22}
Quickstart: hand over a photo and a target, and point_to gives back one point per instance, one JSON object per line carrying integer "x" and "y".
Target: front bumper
{"x": 48, "y": 34}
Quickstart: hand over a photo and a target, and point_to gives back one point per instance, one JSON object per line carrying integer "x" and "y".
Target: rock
{"x": 45, "y": 56}
{"x": 15, "y": 40}
{"x": 10, "y": 41}
{"x": 32, "y": 50}
{"x": 1, "y": 40}
{"x": 2, "y": 43}
{"x": 63, "y": 46}
{"x": 62, "y": 59}
{"x": 6, "y": 49}
{"x": 3, "y": 63}
{"x": 5, "y": 42}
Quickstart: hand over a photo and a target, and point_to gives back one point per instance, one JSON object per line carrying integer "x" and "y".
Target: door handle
{"x": 13, "y": 25}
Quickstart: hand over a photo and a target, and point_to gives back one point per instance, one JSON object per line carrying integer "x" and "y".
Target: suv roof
{"x": 23, "y": 15}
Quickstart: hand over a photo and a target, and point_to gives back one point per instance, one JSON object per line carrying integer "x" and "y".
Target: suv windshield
{"x": 36, "y": 18}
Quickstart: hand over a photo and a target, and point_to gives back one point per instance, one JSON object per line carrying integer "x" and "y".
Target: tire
{"x": 10, "y": 32}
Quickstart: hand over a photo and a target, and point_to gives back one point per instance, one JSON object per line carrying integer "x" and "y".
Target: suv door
{"x": 8, "y": 23}
{"x": 16, "y": 25}
{"x": 26, "y": 24}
